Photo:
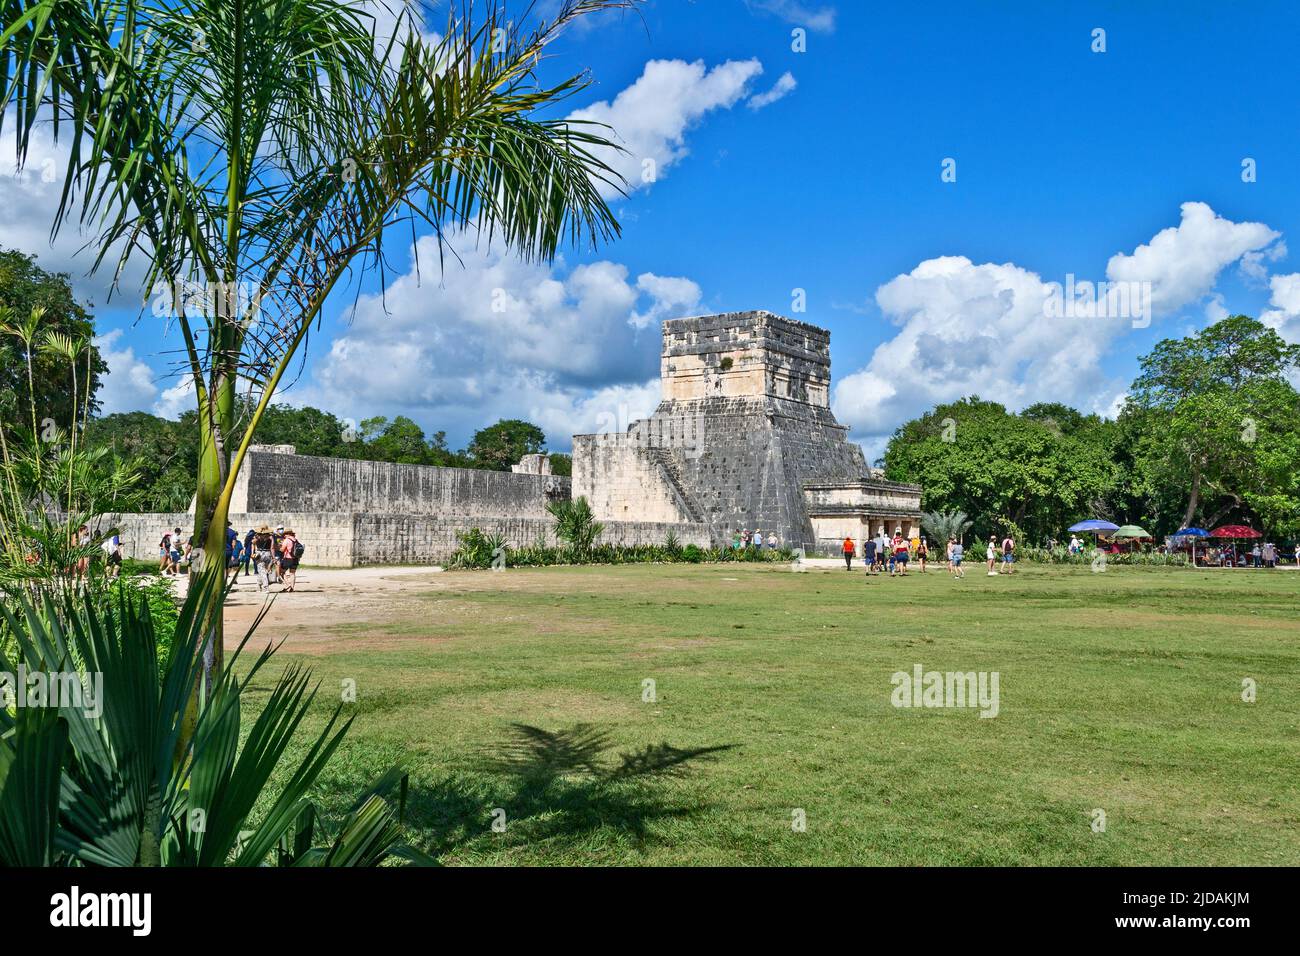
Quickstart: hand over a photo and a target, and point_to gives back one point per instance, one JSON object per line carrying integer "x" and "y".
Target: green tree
{"x": 1216, "y": 418}
{"x": 164, "y": 454}
{"x": 561, "y": 464}
{"x": 25, "y": 286}
{"x": 313, "y": 143}
{"x": 1036, "y": 472}
{"x": 499, "y": 446}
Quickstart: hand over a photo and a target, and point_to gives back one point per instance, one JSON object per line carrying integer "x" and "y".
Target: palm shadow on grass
{"x": 554, "y": 787}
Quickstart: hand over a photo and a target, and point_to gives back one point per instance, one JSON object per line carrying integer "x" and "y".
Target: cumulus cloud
{"x": 176, "y": 399}
{"x": 129, "y": 384}
{"x": 967, "y": 328}
{"x": 818, "y": 19}
{"x": 29, "y": 200}
{"x": 1183, "y": 262}
{"x": 650, "y": 118}
{"x": 783, "y": 86}
{"x": 1284, "y": 316}
{"x": 498, "y": 337}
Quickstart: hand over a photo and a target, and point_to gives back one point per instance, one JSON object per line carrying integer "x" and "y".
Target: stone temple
{"x": 743, "y": 438}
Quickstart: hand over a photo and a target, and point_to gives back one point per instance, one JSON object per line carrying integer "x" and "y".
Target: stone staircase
{"x": 667, "y": 465}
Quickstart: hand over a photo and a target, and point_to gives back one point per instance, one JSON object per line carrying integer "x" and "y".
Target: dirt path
{"x": 323, "y": 597}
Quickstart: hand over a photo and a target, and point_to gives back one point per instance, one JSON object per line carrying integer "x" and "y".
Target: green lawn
{"x": 1119, "y": 691}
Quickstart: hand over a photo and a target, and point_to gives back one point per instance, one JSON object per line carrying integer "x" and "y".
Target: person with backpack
{"x": 263, "y": 556}
{"x": 290, "y": 554}
{"x": 1008, "y": 554}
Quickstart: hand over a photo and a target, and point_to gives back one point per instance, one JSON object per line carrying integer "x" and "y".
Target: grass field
{"x": 1119, "y": 691}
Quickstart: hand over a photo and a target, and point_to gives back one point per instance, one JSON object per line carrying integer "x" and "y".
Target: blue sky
{"x": 820, "y": 170}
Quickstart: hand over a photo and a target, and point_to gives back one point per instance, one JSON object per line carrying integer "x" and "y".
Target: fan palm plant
{"x": 945, "y": 525}
{"x": 261, "y": 150}
{"x": 104, "y": 776}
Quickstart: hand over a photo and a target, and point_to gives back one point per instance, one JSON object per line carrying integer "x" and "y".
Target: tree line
{"x": 1209, "y": 434}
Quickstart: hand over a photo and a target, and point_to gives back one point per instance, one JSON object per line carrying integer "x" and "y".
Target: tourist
{"x": 82, "y": 540}
{"x": 901, "y": 546}
{"x": 112, "y": 555}
{"x": 848, "y": 550}
{"x": 758, "y": 538}
{"x": 1269, "y": 555}
{"x": 744, "y": 538}
{"x": 1256, "y": 556}
{"x": 1008, "y": 554}
{"x": 869, "y": 555}
{"x": 922, "y": 552}
{"x": 954, "y": 559}
{"x": 263, "y": 556}
{"x": 248, "y": 551}
{"x": 771, "y": 541}
{"x": 178, "y": 550}
{"x": 1075, "y": 545}
{"x": 290, "y": 554}
{"x": 992, "y": 554}
{"x": 165, "y": 553}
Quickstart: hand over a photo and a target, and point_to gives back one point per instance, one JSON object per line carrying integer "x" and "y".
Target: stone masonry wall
{"x": 280, "y": 482}
{"x": 344, "y": 540}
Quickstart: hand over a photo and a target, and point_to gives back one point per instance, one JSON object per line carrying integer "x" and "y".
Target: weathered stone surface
{"x": 345, "y": 540}
{"x": 744, "y": 424}
{"x": 272, "y": 481}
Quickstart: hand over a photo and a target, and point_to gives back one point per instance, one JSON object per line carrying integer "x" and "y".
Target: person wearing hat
{"x": 289, "y": 559}
{"x": 263, "y": 556}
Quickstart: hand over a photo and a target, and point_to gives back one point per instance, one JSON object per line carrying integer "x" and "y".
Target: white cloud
{"x": 129, "y": 384}
{"x": 650, "y": 118}
{"x": 818, "y": 19}
{"x": 498, "y": 337}
{"x": 971, "y": 329}
{"x": 981, "y": 329}
{"x": 1183, "y": 262}
{"x": 781, "y": 88}
{"x": 28, "y": 203}
{"x": 670, "y": 296}
{"x": 176, "y": 399}
{"x": 1284, "y": 317}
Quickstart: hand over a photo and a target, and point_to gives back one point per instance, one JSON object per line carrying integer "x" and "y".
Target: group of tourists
{"x": 1264, "y": 555}
{"x": 272, "y": 555}
{"x": 744, "y": 539}
{"x": 895, "y": 554}
{"x": 883, "y": 553}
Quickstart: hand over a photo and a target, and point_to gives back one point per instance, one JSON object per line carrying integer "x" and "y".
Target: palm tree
{"x": 260, "y": 150}
{"x": 945, "y": 525}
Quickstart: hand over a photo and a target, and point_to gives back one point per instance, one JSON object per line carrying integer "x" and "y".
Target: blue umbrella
{"x": 1192, "y": 533}
{"x": 1093, "y": 524}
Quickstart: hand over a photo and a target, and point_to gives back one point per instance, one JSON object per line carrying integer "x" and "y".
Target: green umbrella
{"x": 1129, "y": 531}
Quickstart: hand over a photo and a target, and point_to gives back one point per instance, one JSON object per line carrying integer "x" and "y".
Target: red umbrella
{"x": 1235, "y": 531}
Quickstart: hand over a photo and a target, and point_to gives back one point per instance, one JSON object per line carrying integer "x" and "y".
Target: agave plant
{"x": 103, "y": 775}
